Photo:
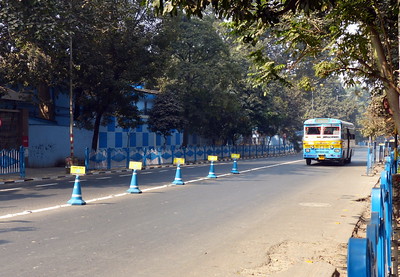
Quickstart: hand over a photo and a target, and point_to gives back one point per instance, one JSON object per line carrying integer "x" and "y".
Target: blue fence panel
{"x": 98, "y": 159}
{"x": 153, "y": 157}
{"x": 372, "y": 256}
{"x": 191, "y": 155}
{"x": 12, "y": 161}
{"x": 120, "y": 157}
{"x": 166, "y": 155}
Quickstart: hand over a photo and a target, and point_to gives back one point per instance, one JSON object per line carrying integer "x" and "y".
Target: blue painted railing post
{"x": 127, "y": 157}
{"x": 195, "y": 153}
{"x": 368, "y": 161}
{"x": 173, "y": 153}
{"x": 87, "y": 159}
{"x": 358, "y": 258}
{"x": 205, "y": 153}
{"x": 144, "y": 157}
{"x": 377, "y": 204}
{"x": 159, "y": 155}
{"x": 109, "y": 150}
{"x": 22, "y": 162}
{"x": 184, "y": 152}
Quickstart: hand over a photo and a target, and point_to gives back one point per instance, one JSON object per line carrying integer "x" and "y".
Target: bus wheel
{"x": 308, "y": 161}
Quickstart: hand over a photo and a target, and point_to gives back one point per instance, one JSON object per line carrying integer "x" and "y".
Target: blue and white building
{"x": 47, "y": 142}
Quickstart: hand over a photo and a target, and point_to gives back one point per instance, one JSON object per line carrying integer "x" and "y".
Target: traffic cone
{"x": 211, "y": 173}
{"x": 134, "y": 188}
{"x": 76, "y": 198}
{"x": 235, "y": 167}
{"x": 178, "y": 176}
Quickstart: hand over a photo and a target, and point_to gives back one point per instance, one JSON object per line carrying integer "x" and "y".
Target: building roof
{"x": 149, "y": 91}
{"x": 13, "y": 95}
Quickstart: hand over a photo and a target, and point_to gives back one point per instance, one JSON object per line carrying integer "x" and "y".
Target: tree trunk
{"x": 387, "y": 76}
{"x": 46, "y": 106}
{"x": 96, "y": 129}
{"x": 185, "y": 138}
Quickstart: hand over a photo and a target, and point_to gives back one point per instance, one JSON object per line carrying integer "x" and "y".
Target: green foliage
{"x": 166, "y": 115}
{"x": 33, "y": 42}
{"x": 201, "y": 73}
{"x": 355, "y": 39}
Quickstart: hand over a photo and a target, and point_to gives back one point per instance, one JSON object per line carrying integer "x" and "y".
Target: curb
{"x": 128, "y": 170}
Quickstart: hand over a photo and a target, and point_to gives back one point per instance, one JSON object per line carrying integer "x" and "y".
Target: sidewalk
{"x": 34, "y": 174}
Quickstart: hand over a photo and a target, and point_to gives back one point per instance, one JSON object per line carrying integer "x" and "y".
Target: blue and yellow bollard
{"x": 178, "y": 176}
{"x": 76, "y": 198}
{"x": 211, "y": 173}
{"x": 134, "y": 188}
{"x": 235, "y": 167}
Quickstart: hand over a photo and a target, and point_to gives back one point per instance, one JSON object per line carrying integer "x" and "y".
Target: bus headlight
{"x": 337, "y": 150}
{"x": 307, "y": 150}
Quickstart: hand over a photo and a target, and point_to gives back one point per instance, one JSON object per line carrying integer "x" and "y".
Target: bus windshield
{"x": 313, "y": 130}
{"x": 331, "y": 131}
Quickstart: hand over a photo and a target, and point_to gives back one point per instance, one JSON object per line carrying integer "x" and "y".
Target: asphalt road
{"x": 276, "y": 214}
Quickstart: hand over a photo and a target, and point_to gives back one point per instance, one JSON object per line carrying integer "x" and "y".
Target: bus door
{"x": 348, "y": 136}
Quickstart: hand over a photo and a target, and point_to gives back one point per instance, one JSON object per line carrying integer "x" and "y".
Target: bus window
{"x": 331, "y": 131}
{"x": 313, "y": 130}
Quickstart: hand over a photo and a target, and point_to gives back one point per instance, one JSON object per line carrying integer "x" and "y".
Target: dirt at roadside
{"x": 282, "y": 256}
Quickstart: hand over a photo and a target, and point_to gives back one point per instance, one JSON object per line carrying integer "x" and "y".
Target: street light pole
{"x": 71, "y": 110}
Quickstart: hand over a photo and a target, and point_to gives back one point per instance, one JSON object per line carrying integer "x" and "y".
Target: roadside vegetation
{"x": 222, "y": 70}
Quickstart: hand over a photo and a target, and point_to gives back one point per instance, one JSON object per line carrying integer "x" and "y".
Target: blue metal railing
{"x": 120, "y": 157}
{"x": 12, "y": 161}
{"x": 371, "y": 256}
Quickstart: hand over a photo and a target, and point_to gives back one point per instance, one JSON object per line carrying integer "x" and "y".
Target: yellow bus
{"x": 328, "y": 139}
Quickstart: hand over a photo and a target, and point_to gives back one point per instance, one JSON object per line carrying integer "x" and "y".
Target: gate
{"x": 12, "y": 161}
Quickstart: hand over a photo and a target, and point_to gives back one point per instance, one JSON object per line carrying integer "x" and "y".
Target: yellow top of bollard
{"x": 213, "y": 158}
{"x": 135, "y": 165}
{"x": 78, "y": 170}
{"x": 179, "y": 161}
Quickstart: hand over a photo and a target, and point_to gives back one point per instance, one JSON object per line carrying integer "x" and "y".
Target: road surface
{"x": 277, "y": 215}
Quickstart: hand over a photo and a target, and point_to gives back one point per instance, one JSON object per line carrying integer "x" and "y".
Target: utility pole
{"x": 71, "y": 108}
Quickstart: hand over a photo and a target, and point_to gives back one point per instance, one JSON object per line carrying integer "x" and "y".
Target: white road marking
{"x": 47, "y": 185}
{"x": 10, "y": 189}
{"x": 123, "y": 194}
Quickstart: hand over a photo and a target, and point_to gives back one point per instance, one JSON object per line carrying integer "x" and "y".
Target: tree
{"x": 33, "y": 48}
{"x": 166, "y": 115}
{"x": 201, "y": 74}
{"x": 113, "y": 51}
{"x": 357, "y": 39}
